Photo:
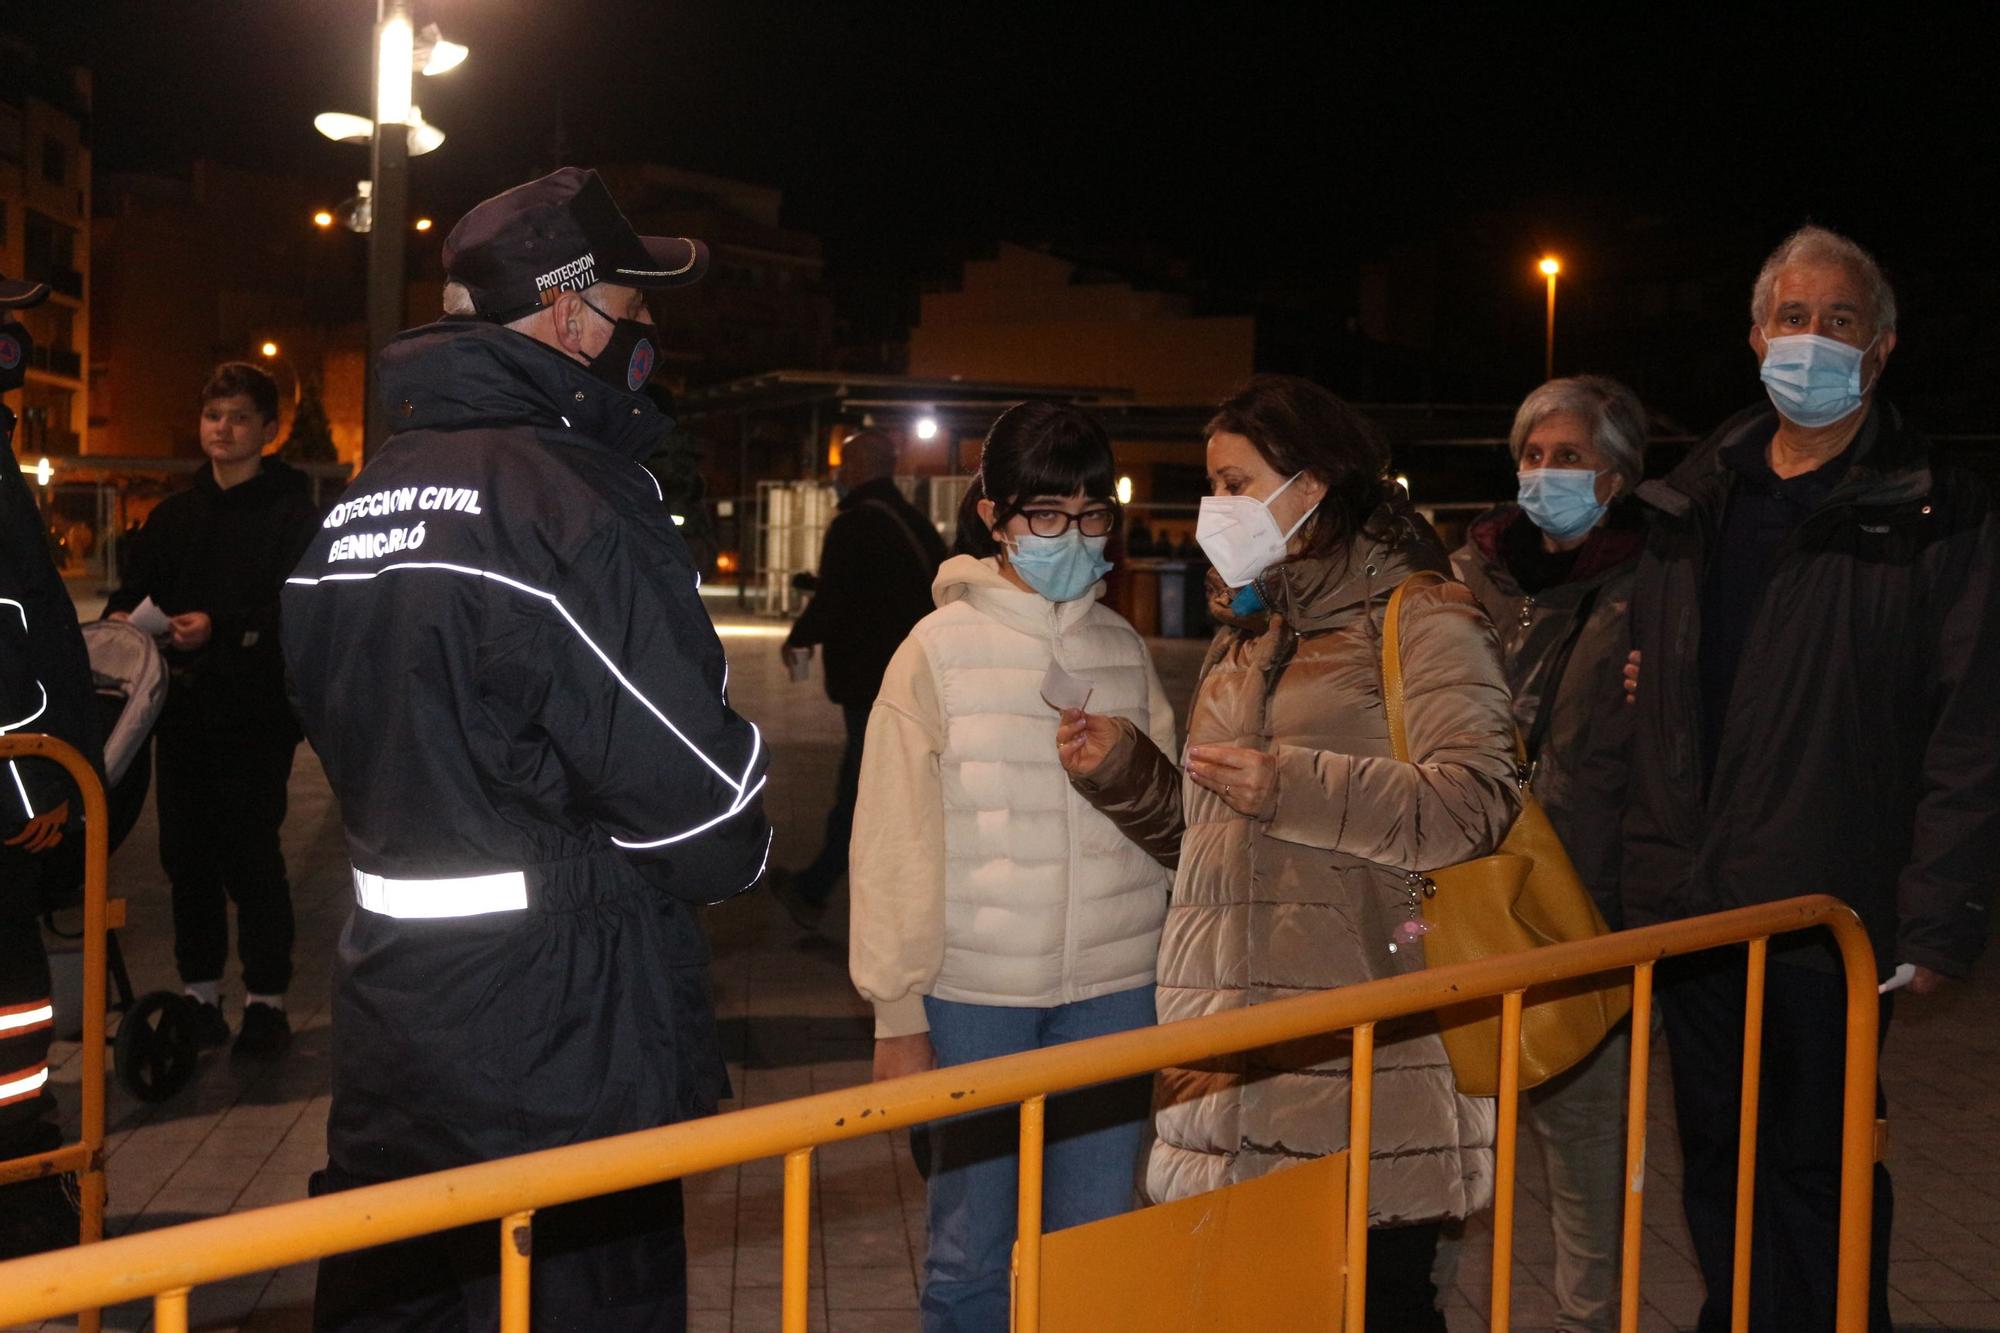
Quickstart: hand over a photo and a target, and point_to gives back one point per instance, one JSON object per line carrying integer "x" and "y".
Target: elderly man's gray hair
{"x": 1617, "y": 421}
{"x": 1817, "y": 245}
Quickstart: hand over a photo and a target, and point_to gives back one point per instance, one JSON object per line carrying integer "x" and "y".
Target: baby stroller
{"x": 154, "y": 1052}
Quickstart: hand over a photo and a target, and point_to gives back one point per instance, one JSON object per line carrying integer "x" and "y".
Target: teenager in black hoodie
{"x": 213, "y": 559}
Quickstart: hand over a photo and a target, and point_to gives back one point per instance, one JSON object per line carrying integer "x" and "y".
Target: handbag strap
{"x": 1545, "y": 713}
{"x": 1392, "y": 674}
{"x": 1392, "y": 664}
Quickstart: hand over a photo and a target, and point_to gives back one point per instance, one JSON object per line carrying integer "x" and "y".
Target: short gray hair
{"x": 1818, "y": 245}
{"x": 1617, "y": 421}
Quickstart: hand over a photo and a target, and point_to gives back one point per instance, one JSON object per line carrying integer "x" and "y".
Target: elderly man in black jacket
{"x": 1818, "y": 711}
{"x": 874, "y": 583}
{"x": 502, "y": 659}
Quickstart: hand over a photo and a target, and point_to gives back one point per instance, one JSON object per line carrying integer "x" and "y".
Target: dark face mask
{"x": 16, "y": 346}
{"x": 627, "y": 360}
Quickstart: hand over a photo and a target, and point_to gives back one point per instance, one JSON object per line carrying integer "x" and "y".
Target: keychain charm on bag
{"x": 1416, "y": 888}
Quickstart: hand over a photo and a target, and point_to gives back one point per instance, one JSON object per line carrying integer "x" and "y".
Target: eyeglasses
{"x": 1055, "y": 522}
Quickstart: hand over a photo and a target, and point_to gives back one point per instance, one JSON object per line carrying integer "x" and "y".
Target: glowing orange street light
{"x": 322, "y": 219}
{"x": 269, "y": 349}
{"x": 1550, "y": 266}
{"x": 422, "y": 224}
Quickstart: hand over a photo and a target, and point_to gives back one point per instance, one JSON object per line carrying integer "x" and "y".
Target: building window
{"x": 55, "y": 160}
{"x": 49, "y": 254}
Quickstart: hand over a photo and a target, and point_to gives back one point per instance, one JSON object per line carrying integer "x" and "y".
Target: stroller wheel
{"x": 155, "y": 1051}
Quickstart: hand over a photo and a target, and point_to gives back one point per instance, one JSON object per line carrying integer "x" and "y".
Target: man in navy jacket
{"x": 502, "y": 659}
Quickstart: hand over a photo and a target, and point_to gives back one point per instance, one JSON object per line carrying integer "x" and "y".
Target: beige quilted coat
{"x": 1307, "y": 897}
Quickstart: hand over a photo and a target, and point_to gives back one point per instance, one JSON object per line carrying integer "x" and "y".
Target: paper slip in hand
{"x": 151, "y": 618}
{"x": 1898, "y": 979}
{"x": 1060, "y": 690}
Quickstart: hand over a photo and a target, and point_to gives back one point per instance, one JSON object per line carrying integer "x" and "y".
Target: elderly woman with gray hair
{"x": 1554, "y": 573}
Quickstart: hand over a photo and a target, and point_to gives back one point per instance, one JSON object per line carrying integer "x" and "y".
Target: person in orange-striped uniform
{"x": 45, "y": 686}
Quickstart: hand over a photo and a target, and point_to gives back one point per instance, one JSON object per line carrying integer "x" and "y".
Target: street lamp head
{"x": 422, "y": 224}
{"x": 322, "y": 219}
{"x": 1550, "y": 266}
{"x": 435, "y": 55}
{"x": 269, "y": 349}
{"x": 424, "y": 136}
{"x": 927, "y": 428}
{"x": 344, "y": 127}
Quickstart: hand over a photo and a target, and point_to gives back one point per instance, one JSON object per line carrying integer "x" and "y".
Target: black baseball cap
{"x": 518, "y": 250}
{"x": 18, "y": 295}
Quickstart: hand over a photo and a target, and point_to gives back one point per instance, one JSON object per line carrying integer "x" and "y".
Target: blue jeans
{"x": 1091, "y": 1152}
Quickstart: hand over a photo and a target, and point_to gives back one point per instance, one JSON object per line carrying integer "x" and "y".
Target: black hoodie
{"x": 225, "y": 552}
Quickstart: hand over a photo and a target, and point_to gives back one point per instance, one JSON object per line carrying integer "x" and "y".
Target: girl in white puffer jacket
{"x": 993, "y": 909}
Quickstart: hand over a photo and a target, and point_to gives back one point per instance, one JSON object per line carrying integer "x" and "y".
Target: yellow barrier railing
{"x": 164, "y": 1264}
{"x": 84, "y": 1158}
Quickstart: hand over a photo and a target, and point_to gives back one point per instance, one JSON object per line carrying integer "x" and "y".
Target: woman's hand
{"x": 897, "y": 1056}
{"x": 1084, "y": 740}
{"x": 1632, "y": 677}
{"x": 1246, "y": 780}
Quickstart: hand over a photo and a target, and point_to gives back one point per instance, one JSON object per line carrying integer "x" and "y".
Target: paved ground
{"x": 243, "y": 1137}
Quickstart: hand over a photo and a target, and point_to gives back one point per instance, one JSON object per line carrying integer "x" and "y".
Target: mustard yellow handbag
{"x": 1523, "y": 896}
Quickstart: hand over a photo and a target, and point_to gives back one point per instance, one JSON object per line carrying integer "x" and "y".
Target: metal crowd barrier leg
{"x": 1028, "y": 1267}
{"x": 1746, "y": 1135}
{"x": 1502, "y": 1312}
{"x": 1857, "y": 1133}
{"x": 170, "y": 1311}
{"x": 1635, "y": 1147}
{"x": 86, "y": 1156}
{"x": 1360, "y": 1131}
{"x": 517, "y": 1258}
{"x": 798, "y": 1238}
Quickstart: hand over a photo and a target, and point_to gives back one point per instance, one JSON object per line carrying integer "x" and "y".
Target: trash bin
{"x": 1156, "y": 601}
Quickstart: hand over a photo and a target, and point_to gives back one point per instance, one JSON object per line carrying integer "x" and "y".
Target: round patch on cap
{"x": 10, "y": 351}
{"x": 640, "y": 368}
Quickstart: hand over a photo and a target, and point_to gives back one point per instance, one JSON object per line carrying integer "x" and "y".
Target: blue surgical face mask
{"x": 1063, "y": 568}
{"x": 1812, "y": 380}
{"x": 1561, "y": 501}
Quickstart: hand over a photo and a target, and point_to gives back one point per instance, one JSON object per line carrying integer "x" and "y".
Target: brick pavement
{"x": 240, "y": 1137}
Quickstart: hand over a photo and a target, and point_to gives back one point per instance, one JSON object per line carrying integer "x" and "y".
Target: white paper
{"x": 1061, "y": 690}
{"x": 1897, "y": 979}
{"x": 151, "y": 619}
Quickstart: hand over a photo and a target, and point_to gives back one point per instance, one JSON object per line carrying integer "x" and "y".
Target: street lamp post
{"x": 1550, "y": 266}
{"x": 389, "y": 159}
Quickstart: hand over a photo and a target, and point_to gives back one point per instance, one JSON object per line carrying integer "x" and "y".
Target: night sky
{"x": 1261, "y": 153}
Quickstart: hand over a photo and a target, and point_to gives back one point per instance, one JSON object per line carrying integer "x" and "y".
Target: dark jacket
{"x": 502, "y": 659}
{"x": 225, "y": 552}
{"x": 1580, "y": 769}
{"x": 45, "y": 686}
{"x": 875, "y": 570}
{"x": 1860, "y": 754}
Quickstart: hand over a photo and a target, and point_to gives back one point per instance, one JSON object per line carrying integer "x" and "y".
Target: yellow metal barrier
{"x": 84, "y": 1158}
{"x": 166, "y": 1263}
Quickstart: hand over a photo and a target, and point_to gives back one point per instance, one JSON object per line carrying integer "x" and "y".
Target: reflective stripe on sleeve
{"x": 22, "y": 1017}
{"x": 427, "y": 899}
{"x": 24, "y": 1083}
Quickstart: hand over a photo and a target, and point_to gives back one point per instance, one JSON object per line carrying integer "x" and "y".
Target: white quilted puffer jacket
{"x": 976, "y": 872}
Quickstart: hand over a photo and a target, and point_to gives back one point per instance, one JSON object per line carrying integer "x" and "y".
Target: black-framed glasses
{"x": 1096, "y": 521}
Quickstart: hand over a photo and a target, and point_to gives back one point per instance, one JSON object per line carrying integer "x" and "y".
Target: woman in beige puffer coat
{"x": 1296, "y": 831}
